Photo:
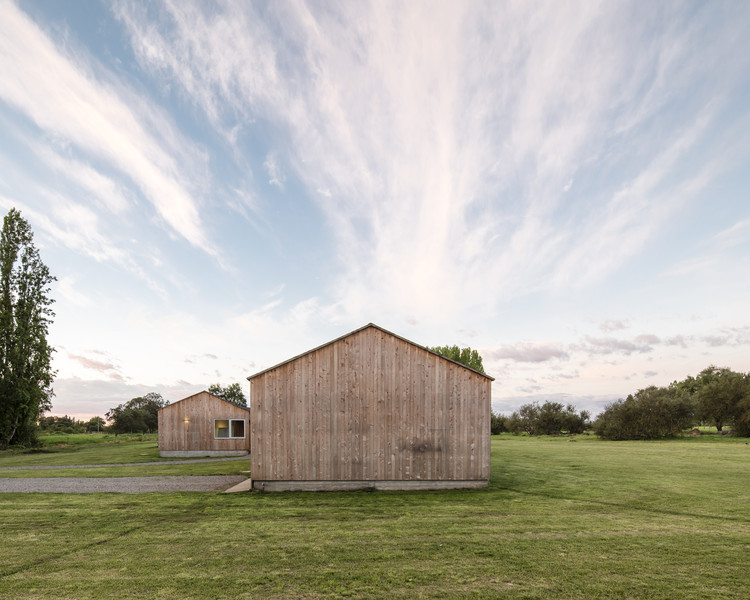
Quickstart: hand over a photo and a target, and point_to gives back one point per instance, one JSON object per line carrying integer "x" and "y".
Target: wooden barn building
{"x": 370, "y": 410}
{"x": 203, "y": 425}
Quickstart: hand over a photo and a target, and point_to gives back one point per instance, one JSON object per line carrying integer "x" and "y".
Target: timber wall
{"x": 370, "y": 407}
{"x": 187, "y": 426}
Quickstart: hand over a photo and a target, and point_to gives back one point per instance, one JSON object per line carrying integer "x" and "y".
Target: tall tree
{"x": 465, "y": 356}
{"x": 720, "y": 390}
{"x": 25, "y": 315}
{"x": 232, "y": 393}
{"x": 139, "y": 415}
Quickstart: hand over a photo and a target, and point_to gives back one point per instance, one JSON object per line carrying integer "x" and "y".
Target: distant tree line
{"x": 138, "y": 415}
{"x": 550, "y": 418}
{"x": 66, "y": 424}
{"x": 716, "y": 396}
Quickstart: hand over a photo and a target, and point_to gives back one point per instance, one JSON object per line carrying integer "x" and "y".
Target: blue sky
{"x": 219, "y": 186}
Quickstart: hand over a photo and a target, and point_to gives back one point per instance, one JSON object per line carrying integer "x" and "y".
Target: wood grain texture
{"x": 370, "y": 406}
{"x": 189, "y": 424}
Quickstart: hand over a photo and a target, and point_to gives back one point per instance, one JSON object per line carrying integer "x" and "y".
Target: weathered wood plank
{"x": 188, "y": 425}
{"x": 370, "y": 406}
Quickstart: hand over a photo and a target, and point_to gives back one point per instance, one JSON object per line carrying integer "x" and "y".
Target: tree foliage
{"x": 139, "y": 415}
{"x": 232, "y": 393}
{"x": 550, "y": 418}
{"x": 719, "y": 392}
{"x": 66, "y": 424}
{"x": 465, "y": 356}
{"x": 650, "y": 413}
{"x": 95, "y": 424}
{"x": 498, "y": 423}
{"x": 25, "y": 315}
{"x": 742, "y": 416}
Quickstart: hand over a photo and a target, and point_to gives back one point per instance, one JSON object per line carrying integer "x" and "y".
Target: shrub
{"x": 548, "y": 419}
{"x": 651, "y": 413}
{"x": 498, "y": 423}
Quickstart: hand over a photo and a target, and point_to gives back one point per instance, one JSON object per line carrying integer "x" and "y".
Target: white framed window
{"x": 228, "y": 429}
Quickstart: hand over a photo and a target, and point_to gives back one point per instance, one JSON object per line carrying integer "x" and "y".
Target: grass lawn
{"x": 60, "y": 450}
{"x": 86, "y": 449}
{"x": 561, "y": 519}
{"x": 213, "y": 467}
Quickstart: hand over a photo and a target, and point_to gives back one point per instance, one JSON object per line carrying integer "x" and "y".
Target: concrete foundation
{"x": 200, "y": 453}
{"x": 343, "y": 486}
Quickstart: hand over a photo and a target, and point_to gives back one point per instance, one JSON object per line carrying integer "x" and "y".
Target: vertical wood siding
{"x": 370, "y": 406}
{"x": 189, "y": 424}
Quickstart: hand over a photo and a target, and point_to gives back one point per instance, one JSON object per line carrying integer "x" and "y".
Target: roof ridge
{"x": 351, "y": 333}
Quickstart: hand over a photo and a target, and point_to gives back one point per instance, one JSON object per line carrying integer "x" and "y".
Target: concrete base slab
{"x": 197, "y": 453}
{"x": 343, "y": 486}
{"x": 242, "y": 486}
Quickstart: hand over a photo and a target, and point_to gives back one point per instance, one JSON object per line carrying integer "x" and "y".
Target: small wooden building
{"x": 370, "y": 410}
{"x": 203, "y": 425}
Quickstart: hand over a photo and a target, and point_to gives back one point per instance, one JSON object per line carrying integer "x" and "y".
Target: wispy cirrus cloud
{"x": 62, "y": 95}
{"x": 92, "y": 364}
{"x": 447, "y": 150}
{"x": 107, "y": 369}
{"x": 78, "y": 227}
{"x": 275, "y": 174}
{"x": 718, "y": 251}
{"x": 71, "y": 224}
{"x": 103, "y": 190}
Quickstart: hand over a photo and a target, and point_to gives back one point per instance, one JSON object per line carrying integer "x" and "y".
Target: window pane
{"x": 221, "y": 428}
{"x": 238, "y": 429}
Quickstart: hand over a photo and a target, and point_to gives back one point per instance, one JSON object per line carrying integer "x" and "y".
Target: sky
{"x": 220, "y": 186}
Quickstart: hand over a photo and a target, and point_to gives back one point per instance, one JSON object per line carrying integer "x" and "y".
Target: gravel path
{"x": 122, "y": 485}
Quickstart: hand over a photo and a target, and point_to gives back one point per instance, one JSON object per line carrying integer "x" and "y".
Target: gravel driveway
{"x": 121, "y": 485}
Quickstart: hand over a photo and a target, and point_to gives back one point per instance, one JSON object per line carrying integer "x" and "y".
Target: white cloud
{"x": 103, "y": 189}
{"x": 63, "y": 98}
{"x": 95, "y": 365}
{"x": 613, "y": 346}
{"x": 79, "y": 228}
{"x": 66, "y": 286}
{"x": 613, "y": 325}
{"x": 275, "y": 174}
{"x": 478, "y": 167}
{"x": 736, "y": 235}
{"x": 72, "y": 225}
{"x": 526, "y": 352}
{"x": 442, "y": 149}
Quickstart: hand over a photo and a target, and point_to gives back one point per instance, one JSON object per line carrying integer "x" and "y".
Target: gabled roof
{"x": 338, "y": 339}
{"x": 208, "y": 394}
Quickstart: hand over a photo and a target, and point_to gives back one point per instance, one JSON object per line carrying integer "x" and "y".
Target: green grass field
{"x": 86, "y": 449}
{"x": 61, "y": 450}
{"x": 561, "y": 519}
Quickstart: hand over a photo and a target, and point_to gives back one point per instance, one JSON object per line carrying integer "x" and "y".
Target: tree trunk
{"x": 5, "y": 441}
